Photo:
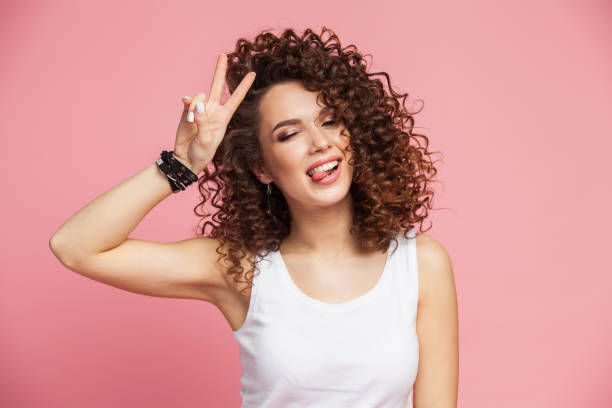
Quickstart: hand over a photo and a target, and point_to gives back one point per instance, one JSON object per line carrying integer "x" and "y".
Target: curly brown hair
{"x": 391, "y": 175}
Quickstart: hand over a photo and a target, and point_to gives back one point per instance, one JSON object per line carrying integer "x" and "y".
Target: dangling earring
{"x": 268, "y": 194}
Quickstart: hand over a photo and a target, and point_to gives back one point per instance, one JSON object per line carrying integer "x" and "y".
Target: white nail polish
{"x": 190, "y": 117}
{"x": 200, "y": 107}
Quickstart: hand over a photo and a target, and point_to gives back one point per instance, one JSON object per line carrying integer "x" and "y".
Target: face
{"x": 296, "y": 133}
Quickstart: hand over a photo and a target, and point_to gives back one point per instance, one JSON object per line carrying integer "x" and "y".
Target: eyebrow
{"x": 323, "y": 111}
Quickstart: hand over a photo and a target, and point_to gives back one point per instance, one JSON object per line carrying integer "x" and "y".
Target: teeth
{"x": 323, "y": 167}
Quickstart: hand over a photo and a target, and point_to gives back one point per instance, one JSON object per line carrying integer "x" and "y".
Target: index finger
{"x": 240, "y": 92}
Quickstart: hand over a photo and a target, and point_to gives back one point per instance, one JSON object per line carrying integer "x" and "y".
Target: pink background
{"x": 517, "y": 97}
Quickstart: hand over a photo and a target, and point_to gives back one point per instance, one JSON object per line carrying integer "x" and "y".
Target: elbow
{"x": 55, "y": 244}
{"x": 59, "y": 250}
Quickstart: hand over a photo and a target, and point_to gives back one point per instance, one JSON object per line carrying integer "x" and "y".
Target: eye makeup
{"x": 288, "y": 122}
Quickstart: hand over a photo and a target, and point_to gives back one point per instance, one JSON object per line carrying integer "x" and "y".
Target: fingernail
{"x": 190, "y": 117}
{"x": 200, "y": 107}
{"x": 186, "y": 98}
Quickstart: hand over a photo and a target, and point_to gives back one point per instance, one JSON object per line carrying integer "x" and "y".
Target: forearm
{"x": 108, "y": 220}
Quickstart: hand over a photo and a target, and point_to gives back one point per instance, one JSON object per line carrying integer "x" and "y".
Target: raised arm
{"x": 94, "y": 241}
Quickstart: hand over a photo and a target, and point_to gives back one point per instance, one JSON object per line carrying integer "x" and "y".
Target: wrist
{"x": 186, "y": 164}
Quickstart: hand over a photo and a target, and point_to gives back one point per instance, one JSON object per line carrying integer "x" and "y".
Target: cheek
{"x": 289, "y": 163}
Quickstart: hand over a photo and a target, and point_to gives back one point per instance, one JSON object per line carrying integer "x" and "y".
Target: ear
{"x": 261, "y": 173}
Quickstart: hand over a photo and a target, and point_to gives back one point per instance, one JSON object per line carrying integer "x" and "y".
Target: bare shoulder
{"x": 434, "y": 266}
{"x": 437, "y": 326}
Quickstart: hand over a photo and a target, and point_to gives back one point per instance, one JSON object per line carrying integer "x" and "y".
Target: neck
{"x": 322, "y": 230}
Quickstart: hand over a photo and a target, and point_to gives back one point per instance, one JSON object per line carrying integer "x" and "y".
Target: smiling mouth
{"x": 326, "y": 172}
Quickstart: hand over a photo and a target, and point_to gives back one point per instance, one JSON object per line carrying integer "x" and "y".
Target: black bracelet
{"x": 179, "y": 176}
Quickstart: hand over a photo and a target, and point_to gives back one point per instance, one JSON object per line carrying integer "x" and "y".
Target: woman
{"x": 317, "y": 185}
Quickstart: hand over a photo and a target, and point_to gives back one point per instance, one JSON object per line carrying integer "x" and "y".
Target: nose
{"x": 320, "y": 140}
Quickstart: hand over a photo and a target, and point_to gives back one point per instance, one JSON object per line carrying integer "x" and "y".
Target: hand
{"x": 197, "y": 141}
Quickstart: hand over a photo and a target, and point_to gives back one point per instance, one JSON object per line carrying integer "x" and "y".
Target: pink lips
{"x": 323, "y": 161}
{"x": 329, "y": 179}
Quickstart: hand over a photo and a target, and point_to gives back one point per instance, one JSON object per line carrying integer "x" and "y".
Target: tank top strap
{"x": 406, "y": 276}
{"x": 262, "y": 264}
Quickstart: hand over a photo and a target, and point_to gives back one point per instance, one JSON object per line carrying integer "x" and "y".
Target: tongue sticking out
{"x": 322, "y": 174}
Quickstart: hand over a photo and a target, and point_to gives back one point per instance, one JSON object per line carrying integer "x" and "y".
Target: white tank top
{"x": 297, "y": 351}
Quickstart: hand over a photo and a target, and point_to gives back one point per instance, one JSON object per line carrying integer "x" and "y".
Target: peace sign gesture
{"x": 203, "y": 122}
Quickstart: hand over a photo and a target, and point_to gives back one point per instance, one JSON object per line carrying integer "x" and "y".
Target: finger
{"x": 186, "y": 103}
{"x": 240, "y": 92}
{"x": 200, "y": 111}
{"x": 216, "y": 88}
{"x": 199, "y": 97}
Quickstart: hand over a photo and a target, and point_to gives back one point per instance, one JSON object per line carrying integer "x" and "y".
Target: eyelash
{"x": 287, "y": 136}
